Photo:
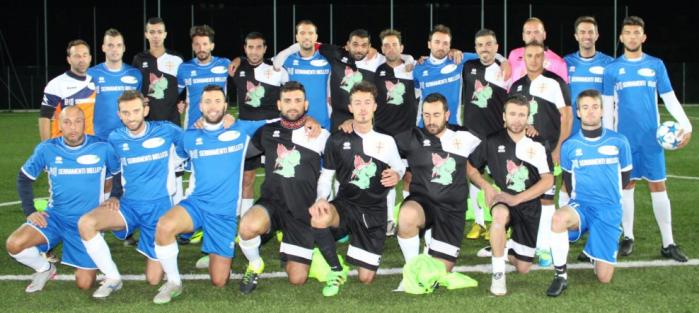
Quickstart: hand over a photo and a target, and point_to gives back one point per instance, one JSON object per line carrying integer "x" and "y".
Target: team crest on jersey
{"x": 481, "y": 94}
{"x": 59, "y": 160}
{"x": 382, "y": 73}
{"x": 241, "y": 74}
{"x": 275, "y": 134}
{"x": 88, "y": 159}
{"x": 346, "y": 145}
{"x": 229, "y": 135}
{"x": 448, "y": 68}
{"x": 219, "y": 69}
{"x": 395, "y": 92}
{"x": 344, "y": 60}
{"x": 501, "y": 149}
{"x": 363, "y": 172}
{"x": 599, "y": 70}
{"x": 157, "y": 86}
{"x": 473, "y": 71}
{"x": 254, "y": 94}
{"x": 516, "y": 176}
{"x": 319, "y": 63}
{"x": 426, "y": 143}
{"x": 128, "y": 79}
{"x": 286, "y": 162}
{"x": 144, "y": 65}
{"x": 519, "y": 88}
{"x": 646, "y": 72}
{"x": 442, "y": 169}
{"x": 153, "y": 143}
{"x": 533, "y": 110}
{"x": 351, "y": 78}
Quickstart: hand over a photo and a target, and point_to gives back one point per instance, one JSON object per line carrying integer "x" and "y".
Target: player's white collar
{"x": 436, "y": 61}
{"x": 141, "y": 134}
{"x": 213, "y": 127}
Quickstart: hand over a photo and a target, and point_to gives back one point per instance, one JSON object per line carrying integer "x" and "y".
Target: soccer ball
{"x": 668, "y": 135}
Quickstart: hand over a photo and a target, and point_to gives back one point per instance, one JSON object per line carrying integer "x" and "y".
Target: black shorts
{"x": 254, "y": 163}
{"x": 524, "y": 221}
{"x": 368, "y": 233}
{"x": 297, "y": 243}
{"x": 447, "y": 224}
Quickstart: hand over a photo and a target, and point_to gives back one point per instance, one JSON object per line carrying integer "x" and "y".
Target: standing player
{"x": 437, "y": 156}
{"x": 596, "y": 165}
{"x": 291, "y": 178}
{"x": 550, "y": 115}
{"x": 367, "y": 165}
{"x": 631, "y": 87}
{"x": 216, "y": 155}
{"x": 72, "y": 88}
{"x": 195, "y": 74}
{"x": 111, "y": 79}
{"x": 533, "y": 30}
{"x": 521, "y": 168}
{"x": 77, "y": 166}
{"x": 484, "y": 93}
{"x": 145, "y": 150}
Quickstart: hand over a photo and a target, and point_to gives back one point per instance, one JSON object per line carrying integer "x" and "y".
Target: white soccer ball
{"x": 668, "y": 135}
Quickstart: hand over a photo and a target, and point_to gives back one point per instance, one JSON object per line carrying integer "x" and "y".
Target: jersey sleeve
{"x": 256, "y": 140}
{"x": 664, "y": 85}
{"x": 112, "y": 163}
{"x": 566, "y": 162}
{"x": 403, "y": 142}
{"x": 608, "y": 81}
{"x": 329, "y": 155}
{"x": 180, "y": 149}
{"x": 468, "y": 56}
{"x": 180, "y": 79}
{"x": 394, "y": 160}
{"x": 331, "y": 52}
{"x": 250, "y": 127}
{"x": 36, "y": 163}
{"x": 625, "y": 161}
{"x": 51, "y": 99}
{"x": 479, "y": 157}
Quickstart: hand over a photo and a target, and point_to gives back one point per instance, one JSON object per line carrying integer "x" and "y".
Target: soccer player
{"x": 631, "y": 87}
{"x": 596, "y": 165}
{"x": 367, "y": 165}
{"x": 550, "y": 115}
{"x": 216, "y": 155}
{"x": 195, "y": 74}
{"x": 111, "y": 79}
{"x": 72, "y": 88}
{"x": 533, "y": 30}
{"x": 77, "y": 166}
{"x": 521, "y": 169}
{"x": 145, "y": 150}
{"x": 485, "y": 91}
{"x": 290, "y": 186}
{"x": 437, "y": 156}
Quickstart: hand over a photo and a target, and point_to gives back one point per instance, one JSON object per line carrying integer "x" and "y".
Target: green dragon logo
{"x": 443, "y": 169}
{"x": 157, "y": 86}
{"x": 481, "y": 94}
{"x": 395, "y": 92}
{"x": 351, "y": 78}
{"x": 363, "y": 172}
{"x": 516, "y": 176}
{"x": 286, "y": 162}
{"x": 254, "y": 95}
{"x": 533, "y": 109}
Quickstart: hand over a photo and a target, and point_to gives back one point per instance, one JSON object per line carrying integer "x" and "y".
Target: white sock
{"x": 99, "y": 252}
{"x": 32, "y": 258}
{"x": 245, "y": 205}
{"x": 390, "y": 204}
{"x": 498, "y": 263}
{"x": 251, "y": 250}
{"x": 428, "y": 239}
{"x": 559, "y": 248}
{"x": 663, "y": 215}
{"x": 409, "y": 246}
{"x": 405, "y": 194}
{"x": 563, "y": 198}
{"x": 179, "y": 192}
{"x": 627, "y": 205}
{"x": 543, "y": 238}
{"x": 478, "y": 215}
{"x": 167, "y": 255}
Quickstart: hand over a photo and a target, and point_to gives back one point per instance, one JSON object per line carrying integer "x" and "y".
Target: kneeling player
{"x": 521, "y": 168}
{"x": 596, "y": 166}
{"x": 367, "y": 164}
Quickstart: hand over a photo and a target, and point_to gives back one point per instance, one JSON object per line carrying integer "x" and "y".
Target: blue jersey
{"x": 313, "y": 73}
{"x": 595, "y": 166}
{"x": 583, "y": 74}
{"x": 76, "y": 174}
{"x": 148, "y": 161}
{"x": 217, "y": 158}
{"x": 443, "y": 78}
{"x": 195, "y": 76}
{"x": 109, "y": 85}
{"x": 635, "y": 85}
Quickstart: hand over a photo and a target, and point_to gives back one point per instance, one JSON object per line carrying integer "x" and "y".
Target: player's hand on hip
{"x": 312, "y": 127}
{"x": 685, "y": 139}
{"x": 346, "y": 126}
{"x": 111, "y": 204}
{"x": 389, "y": 178}
{"x": 38, "y": 219}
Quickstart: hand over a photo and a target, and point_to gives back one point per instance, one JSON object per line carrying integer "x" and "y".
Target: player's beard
{"x": 435, "y": 129}
{"x": 136, "y": 128}
{"x": 203, "y": 56}
{"x": 632, "y": 49}
{"x": 292, "y": 115}
{"x": 515, "y": 128}
{"x": 73, "y": 139}
{"x": 358, "y": 56}
{"x": 214, "y": 120}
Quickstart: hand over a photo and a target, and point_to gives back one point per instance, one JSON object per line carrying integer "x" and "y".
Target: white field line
{"x": 480, "y": 268}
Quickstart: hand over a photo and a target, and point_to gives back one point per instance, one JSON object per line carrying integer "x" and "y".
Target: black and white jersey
{"x": 547, "y": 94}
{"x": 292, "y": 167}
{"x": 160, "y": 84}
{"x": 485, "y": 92}
{"x": 514, "y": 167}
{"x": 358, "y": 161}
{"x": 438, "y": 164}
{"x": 396, "y": 100}
{"x": 257, "y": 88}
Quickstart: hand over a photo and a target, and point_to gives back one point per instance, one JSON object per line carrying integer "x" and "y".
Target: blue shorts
{"x": 142, "y": 215}
{"x": 648, "y": 162}
{"x": 603, "y": 240}
{"x": 65, "y": 229}
{"x": 219, "y": 230}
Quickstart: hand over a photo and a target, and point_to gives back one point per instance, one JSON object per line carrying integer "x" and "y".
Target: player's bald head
{"x": 71, "y": 112}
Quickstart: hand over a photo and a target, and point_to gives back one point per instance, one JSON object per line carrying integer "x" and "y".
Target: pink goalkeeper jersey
{"x": 552, "y": 62}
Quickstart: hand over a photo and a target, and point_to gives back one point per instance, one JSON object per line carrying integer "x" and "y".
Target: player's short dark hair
{"x": 439, "y": 28}
{"x": 112, "y": 32}
{"x": 214, "y": 88}
{"x": 486, "y": 32}
{"x": 306, "y": 22}
{"x": 535, "y": 43}
{"x": 154, "y": 21}
{"x": 364, "y": 86}
{"x": 516, "y": 99}
{"x": 202, "y": 31}
{"x": 253, "y": 36}
{"x": 76, "y": 42}
{"x": 290, "y": 86}
{"x": 361, "y": 33}
{"x": 633, "y": 21}
{"x": 437, "y": 97}
{"x": 391, "y": 32}
{"x": 131, "y": 95}
{"x": 591, "y": 93}
{"x": 584, "y": 19}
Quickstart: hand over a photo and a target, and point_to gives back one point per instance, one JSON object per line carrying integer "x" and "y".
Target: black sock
{"x": 561, "y": 271}
{"x": 326, "y": 244}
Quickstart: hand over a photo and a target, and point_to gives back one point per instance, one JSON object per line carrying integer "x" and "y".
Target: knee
{"x": 219, "y": 281}
{"x": 249, "y": 229}
{"x": 86, "y": 225}
{"x": 366, "y": 278}
{"x": 84, "y": 283}
{"x": 297, "y": 279}
{"x": 523, "y": 268}
{"x": 153, "y": 280}
{"x": 558, "y": 222}
{"x": 165, "y": 228}
{"x": 13, "y": 246}
{"x": 500, "y": 217}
